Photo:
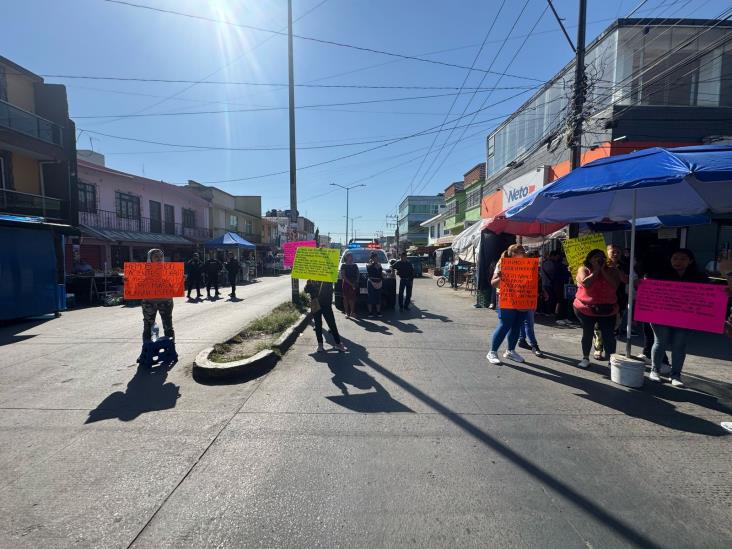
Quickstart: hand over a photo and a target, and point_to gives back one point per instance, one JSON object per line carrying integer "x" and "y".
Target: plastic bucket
{"x": 625, "y": 371}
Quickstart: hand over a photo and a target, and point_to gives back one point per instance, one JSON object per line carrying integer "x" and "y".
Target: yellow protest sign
{"x": 316, "y": 264}
{"x": 576, "y": 249}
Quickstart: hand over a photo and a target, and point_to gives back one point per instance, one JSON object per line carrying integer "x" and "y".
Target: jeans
{"x": 669, "y": 337}
{"x": 527, "y": 329}
{"x": 327, "y": 314}
{"x": 607, "y": 329}
{"x": 405, "y": 284}
{"x": 509, "y": 323}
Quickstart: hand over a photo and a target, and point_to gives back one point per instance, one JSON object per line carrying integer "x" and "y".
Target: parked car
{"x": 361, "y": 258}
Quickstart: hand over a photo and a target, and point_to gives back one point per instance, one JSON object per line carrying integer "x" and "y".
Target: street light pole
{"x": 293, "y": 157}
{"x": 347, "y": 189}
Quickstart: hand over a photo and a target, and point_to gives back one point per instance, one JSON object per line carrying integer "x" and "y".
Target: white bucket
{"x": 628, "y": 372}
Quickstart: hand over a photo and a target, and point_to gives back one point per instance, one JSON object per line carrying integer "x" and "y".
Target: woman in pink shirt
{"x": 596, "y": 302}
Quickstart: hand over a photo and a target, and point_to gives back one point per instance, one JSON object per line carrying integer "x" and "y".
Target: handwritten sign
{"x": 576, "y": 249}
{"x": 290, "y": 248}
{"x": 316, "y": 264}
{"x": 153, "y": 280}
{"x": 519, "y": 282}
{"x": 682, "y": 305}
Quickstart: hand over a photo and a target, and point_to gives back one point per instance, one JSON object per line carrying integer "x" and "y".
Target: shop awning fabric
{"x": 229, "y": 240}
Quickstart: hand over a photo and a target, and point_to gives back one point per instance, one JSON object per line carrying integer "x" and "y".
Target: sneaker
{"x": 379, "y": 314}
{"x": 492, "y": 306}
{"x": 598, "y": 355}
{"x": 371, "y": 315}
{"x": 320, "y": 349}
{"x": 676, "y": 382}
{"x": 653, "y": 376}
{"x": 537, "y": 351}
{"x": 523, "y": 344}
{"x": 513, "y": 355}
{"x": 340, "y": 347}
{"x": 584, "y": 363}
{"x": 564, "y": 322}
{"x": 492, "y": 357}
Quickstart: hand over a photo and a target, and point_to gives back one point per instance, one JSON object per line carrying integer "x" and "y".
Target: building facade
{"x": 304, "y": 229}
{"x": 455, "y": 208}
{"x": 122, "y": 216}
{"x": 230, "y": 213}
{"x": 650, "y": 82}
{"x": 413, "y": 211}
{"x": 38, "y": 208}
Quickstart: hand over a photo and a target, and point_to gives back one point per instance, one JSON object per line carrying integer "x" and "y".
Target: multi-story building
{"x": 286, "y": 230}
{"x": 455, "y": 208}
{"x": 122, "y": 216}
{"x": 650, "y": 82}
{"x": 473, "y": 186}
{"x": 437, "y": 235}
{"x": 230, "y": 213}
{"x": 413, "y": 211}
{"x": 37, "y": 191}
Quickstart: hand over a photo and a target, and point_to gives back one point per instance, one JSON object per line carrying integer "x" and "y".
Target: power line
{"x": 311, "y": 39}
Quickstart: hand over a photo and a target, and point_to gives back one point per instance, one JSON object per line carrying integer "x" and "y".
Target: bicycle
{"x": 441, "y": 280}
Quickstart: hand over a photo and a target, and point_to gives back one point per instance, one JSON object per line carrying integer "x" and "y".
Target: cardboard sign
{"x": 519, "y": 283}
{"x": 153, "y": 280}
{"x": 576, "y": 249}
{"x": 290, "y": 248}
{"x": 682, "y": 305}
{"x": 316, "y": 264}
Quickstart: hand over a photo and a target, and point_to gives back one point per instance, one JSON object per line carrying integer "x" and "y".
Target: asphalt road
{"x": 409, "y": 439}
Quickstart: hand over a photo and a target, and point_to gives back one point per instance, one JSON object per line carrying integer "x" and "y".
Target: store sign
{"x": 523, "y": 186}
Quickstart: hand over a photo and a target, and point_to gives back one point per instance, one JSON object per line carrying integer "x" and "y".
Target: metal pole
{"x": 347, "y": 191}
{"x": 579, "y": 98}
{"x": 631, "y": 287}
{"x": 293, "y": 158}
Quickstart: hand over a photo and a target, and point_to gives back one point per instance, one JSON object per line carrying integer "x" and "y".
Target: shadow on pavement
{"x": 9, "y": 329}
{"x": 345, "y": 375}
{"x": 424, "y": 313}
{"x": 378, "y": 327}
{"x": 146, "y": 392}
{"x": 632, "y": 536}
{"x": 648, "y": 404}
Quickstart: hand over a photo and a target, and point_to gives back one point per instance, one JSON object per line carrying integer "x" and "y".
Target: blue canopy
{"x": 229, "y": 240}
{"x": 653, "y": 223}
{"x": 651, "y": 182}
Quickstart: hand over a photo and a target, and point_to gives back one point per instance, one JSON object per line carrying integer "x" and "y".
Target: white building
{"x": 437, "y": 235}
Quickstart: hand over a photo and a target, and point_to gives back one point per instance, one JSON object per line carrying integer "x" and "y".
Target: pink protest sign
{"x": 290, "y": 248}
{"x": 682, "y": 305}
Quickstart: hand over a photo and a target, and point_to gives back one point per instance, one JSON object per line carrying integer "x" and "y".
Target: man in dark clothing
{"x": 212, "y": 268}
{"x": 194, "y": 267}
{"x": 405, "y": 270}
{"x": 232, "y": 269}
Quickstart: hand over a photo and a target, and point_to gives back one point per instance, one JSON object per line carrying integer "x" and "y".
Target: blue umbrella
{"x": 646, "y": 183}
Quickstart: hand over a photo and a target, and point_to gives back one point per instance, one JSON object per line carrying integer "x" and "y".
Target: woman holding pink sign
{"x": 681, "y": 269}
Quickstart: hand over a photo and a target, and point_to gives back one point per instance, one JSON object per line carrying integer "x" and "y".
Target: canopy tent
{"x": 501, "y": 224}
{"x": 651, "y": 182}
{"x": 230, "y": 240}
{"x": 465, "y": 245}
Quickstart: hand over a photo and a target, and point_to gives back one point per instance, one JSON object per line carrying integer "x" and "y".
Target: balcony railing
{"x": 29, "y": 124}
{"x": 102, "y": 219}
{"x": 15, "y": 202}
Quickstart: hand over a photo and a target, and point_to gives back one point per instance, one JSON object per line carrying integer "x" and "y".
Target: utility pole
{"x": 579, "y": 98}
{"x": 293, "y": 157}
{"x": 347, "y": 189}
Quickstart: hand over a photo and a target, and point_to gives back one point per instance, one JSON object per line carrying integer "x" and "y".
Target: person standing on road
{"x": 509, "y": 320}
{"x": 375, "y": 274}
{"x": 151, "y": 307}
{"x": 321, "y": 299}
{"x": 527, "y": 330}
{"x": 596, "y": 301}
{"x": 212, "y": 268}
{"x": 232, "y": 270}
{"x": 193, "y": 275}
{"x": 682, "y": 269}
{"x": 349, "y": 280}
{"x": 405, "y": 270}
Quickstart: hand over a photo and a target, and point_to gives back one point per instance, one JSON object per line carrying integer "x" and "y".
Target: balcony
{"x": 27, "y": 123}
{"x": 102, "y": 219}
{"x": 18, "y": 203}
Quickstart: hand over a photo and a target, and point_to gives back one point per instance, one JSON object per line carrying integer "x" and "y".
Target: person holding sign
{"x": 682, "y": 269}
{"x": 509, "y": 319}
{"x": 151, "y": 307}
{"x": 596, "y": 302}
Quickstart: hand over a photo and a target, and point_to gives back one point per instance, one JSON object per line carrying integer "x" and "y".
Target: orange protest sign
{"x": 153, "y": 280}
{"x": 519, "y": 282}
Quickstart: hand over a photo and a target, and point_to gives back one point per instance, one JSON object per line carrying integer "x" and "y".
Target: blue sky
{"x": 99, "y": 38}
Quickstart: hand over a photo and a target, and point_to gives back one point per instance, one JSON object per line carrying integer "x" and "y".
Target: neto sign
{"x": 522, "y": 192}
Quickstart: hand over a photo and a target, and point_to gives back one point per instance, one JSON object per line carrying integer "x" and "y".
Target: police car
{"x": 361, "y": 252}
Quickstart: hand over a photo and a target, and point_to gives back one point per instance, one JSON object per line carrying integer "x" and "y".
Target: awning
{"x": 229, "y": 240}
{"x": 33, "y": 222}
{"x": 113, "y": 235}
{"x": 445, "y": 240}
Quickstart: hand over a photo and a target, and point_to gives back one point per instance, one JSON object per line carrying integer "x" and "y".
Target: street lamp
{"x": 353, "y": 225}
{"x": 347, "y": 189}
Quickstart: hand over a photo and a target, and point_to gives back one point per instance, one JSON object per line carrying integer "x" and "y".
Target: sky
{"x": 239, "y": 134}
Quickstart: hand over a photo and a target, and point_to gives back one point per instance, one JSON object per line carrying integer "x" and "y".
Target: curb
{"x": 254, "y": 366}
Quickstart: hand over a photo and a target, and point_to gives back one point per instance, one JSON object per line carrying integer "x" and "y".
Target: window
{"x": 87, "y": 197}
{"x": 128, "y": 205}
{"x": 156, "y": 217}
{"x": 233, "y": 221}
{"x": 169, "y": 212}
{"x": 473, "y": 200}
{"x": 432, "y": 231}
{"x": 189, "y": 218}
